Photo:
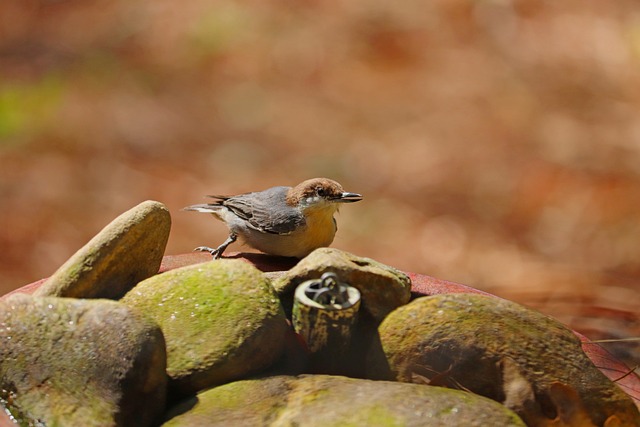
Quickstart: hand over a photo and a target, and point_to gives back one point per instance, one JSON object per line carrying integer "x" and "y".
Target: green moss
{"x": 248, "y": 402}
{"x": 373, "y": 415}
{"x": 470, "y": 336}
{"x": 382, "y": 288}
{"x": 70, "y": 371}
{"x": 497, "y": 326}
{"x": 239, "y": 394}
{"x": 207, "y": 311}
{"x": 321, "y": 400}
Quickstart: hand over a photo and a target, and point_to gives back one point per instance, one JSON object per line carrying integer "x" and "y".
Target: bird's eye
{"x": 320, "y": 191}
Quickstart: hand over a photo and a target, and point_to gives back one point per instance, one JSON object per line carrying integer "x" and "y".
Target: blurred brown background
{"x": 497, "y": 142}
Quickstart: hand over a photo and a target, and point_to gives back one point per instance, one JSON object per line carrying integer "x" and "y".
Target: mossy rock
{"x": 383, "y": 288}
{"x": 126, "y": 251}
{"x": 502, "y": 350}
{"x": 77, "y": 362}
{"x": 319, "y": 400}
{"x": 221, "y": 320}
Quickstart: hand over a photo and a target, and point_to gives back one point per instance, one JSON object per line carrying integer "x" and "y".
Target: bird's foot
{"x": 215, "y": 253}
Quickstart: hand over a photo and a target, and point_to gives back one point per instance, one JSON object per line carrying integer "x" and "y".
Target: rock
{"x": 501, "y": 350}
{"x": 125, "y": 252}
{"x": 221, "y": 320}
{"x": 319, "y": 400}
{"x": 81, "y": 362}
{"x": 383, "y": 288}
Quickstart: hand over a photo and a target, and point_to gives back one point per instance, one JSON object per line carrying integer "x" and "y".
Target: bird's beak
{"x": 349, "y": 198}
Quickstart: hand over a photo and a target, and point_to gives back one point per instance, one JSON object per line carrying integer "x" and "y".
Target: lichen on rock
{"x": 221, "y": 320}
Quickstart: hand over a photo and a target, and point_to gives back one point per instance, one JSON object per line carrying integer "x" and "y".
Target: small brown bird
{"x": 285, "y": 221}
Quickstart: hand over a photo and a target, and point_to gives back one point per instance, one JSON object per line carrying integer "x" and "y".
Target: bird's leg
{"x": 217, "y": 252}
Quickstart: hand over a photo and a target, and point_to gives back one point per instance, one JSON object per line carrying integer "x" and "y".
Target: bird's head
{"x": 320, "y": 193}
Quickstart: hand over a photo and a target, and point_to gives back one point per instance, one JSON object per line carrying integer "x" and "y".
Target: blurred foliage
{"x": 26, "y": 108}
{"x": 497, "y": 142}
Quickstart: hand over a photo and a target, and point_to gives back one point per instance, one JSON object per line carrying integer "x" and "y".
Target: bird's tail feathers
{"x": 206, "y": 208}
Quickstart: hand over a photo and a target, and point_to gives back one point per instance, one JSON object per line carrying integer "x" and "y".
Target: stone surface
{"x": 126, "y": 251}
{"x": 421, "y": 285}
{"x": 319, "y": 400}
{"x": 501, "y": 350}
{"x": 221, "y": 320}
{"x": 383, "y": 288}
{"x": 81, "y": 362}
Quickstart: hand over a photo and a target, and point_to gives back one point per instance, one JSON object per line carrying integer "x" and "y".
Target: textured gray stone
{"x": 319, "y": 400}
{"x": 126, "y": 251}
{"x": 81, "y": 362}
{"x": 221, "y": 319}
{"x": 383, "y": 288}
{"x": 501, "y": 350}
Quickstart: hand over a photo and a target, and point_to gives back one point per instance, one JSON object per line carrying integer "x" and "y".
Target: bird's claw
{"x": 215, "y": 253}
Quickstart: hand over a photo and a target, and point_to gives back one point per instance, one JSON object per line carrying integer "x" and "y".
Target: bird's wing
{"x": 266, "y": 211}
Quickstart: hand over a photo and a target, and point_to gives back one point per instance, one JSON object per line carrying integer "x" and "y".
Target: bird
{"x": 284, "y": 221}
